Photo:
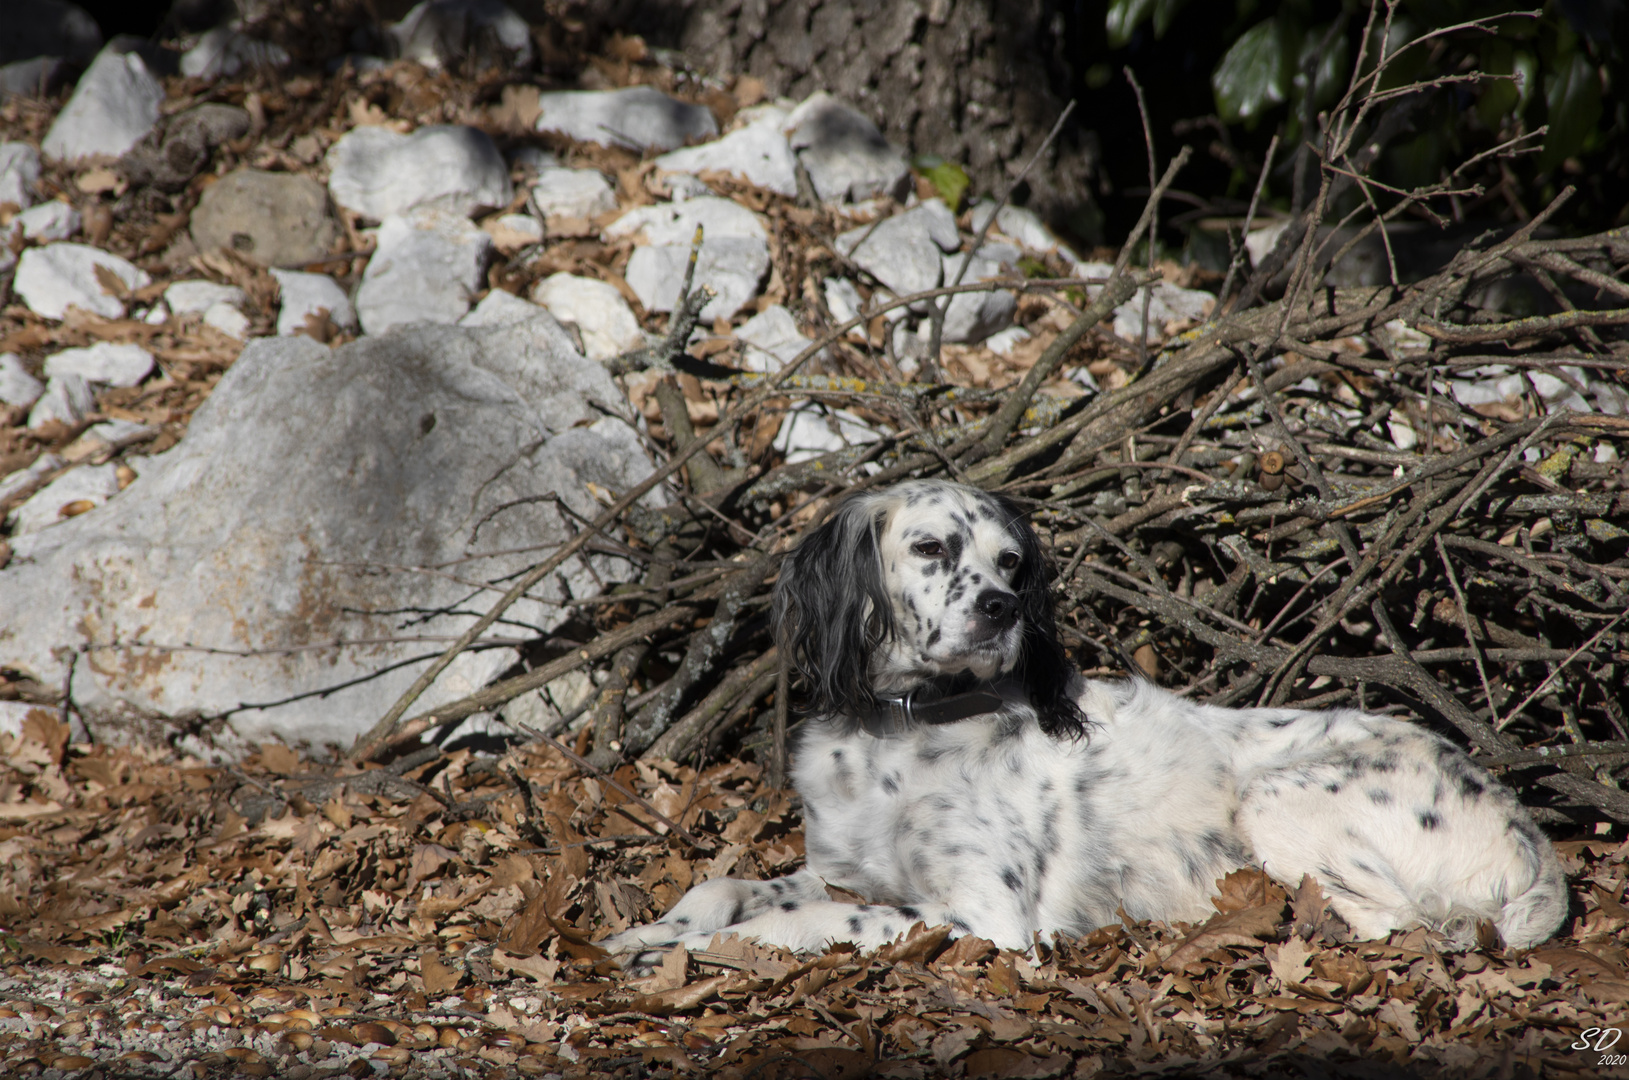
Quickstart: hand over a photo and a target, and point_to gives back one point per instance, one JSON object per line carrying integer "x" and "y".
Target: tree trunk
{"x": 978, "y": 82}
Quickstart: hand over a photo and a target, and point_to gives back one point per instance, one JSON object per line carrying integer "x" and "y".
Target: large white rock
{"x": 289, "y": 519}
{"x": 378, "y": 172}
{"x": 772, "y": 338}
{"x": 757, "y": 152}
{"x": 18, "y": 388}
{"x": 734, "y": 255}
{"x": 67, "y": 399}
{"x": 675, "y": 223}
{"x": 47, "y": 222}
{"x": 53, "y": 278}
{"x": 572, "y": 193}
{"x": 106, "y": 362}
{"x": 19, "y": 173}
{"x": 639, "y": 117}
{"x": 427, "y": 266}
{"x": 197, "y": 297}
{"x": 602, "y": 317}
{"x": 12, "y": 483}
{"x": 904, "y": 252}
{"x": 308, "y": 294}
{"x": 846, "y": 156}
{"x": 115, "y": 104}
{"x": 733, "y": 265}
{"x": 95, "y": 484}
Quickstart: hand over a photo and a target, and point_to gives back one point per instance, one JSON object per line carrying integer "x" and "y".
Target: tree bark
{"x": 978, "y": 82}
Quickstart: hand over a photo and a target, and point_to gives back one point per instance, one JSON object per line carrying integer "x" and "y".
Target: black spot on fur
{"x": 1429, "y": 821}
{"x": 911, "y": 913}
{"x": 1379, "y": 796}
{"x": 1009, "y": 878}
{"x": 789, "y": 905}
{"x": 854, "y": 924}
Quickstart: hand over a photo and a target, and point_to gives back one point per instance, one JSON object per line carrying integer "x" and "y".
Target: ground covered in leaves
{"x": 165, "y": 917}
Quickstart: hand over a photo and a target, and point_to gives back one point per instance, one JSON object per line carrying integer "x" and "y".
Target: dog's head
{"x": 922, "y": 580}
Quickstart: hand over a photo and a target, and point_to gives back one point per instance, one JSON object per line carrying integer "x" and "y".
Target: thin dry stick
{"x": 1550, "y": 678}
{"x": 1465, "y": 614}
{"x": 1154, "y": 222}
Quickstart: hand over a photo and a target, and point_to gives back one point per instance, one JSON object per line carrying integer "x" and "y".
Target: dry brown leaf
{"x": 1245, "y": 926}
{"x": 438, "y": 977}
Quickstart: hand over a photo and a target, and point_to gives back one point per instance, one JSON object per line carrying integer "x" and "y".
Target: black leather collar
{"x": 895, "y": 715}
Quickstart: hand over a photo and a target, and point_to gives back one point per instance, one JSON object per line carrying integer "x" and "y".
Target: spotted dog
{"x": 956, "y": 770}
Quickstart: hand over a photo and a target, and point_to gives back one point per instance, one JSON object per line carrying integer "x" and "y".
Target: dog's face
{"x": 951, "y": 561}
{"x": 925, "y": 579}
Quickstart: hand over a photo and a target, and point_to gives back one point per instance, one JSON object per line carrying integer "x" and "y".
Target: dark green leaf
{"x": 1255, "y": 73}
{"x": 1497, "y": 97}
{"x": 1333, "y": 66}
{"x": 1124, "y": 17}
{"x": 1165, "y": 13}
{"x": 947, "y": 177}
{"x": 1573, "y": 95}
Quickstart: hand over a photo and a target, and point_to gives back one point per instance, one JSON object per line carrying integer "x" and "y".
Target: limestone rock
{"x": 275, "y": 219}
{"x": 846, "y": 155}
{"x": 757, "y": 152}
{"x": 67, "y": 400}
{"x": 500, "y": 308}
{"x": 197, "y": 297}
{"x": 224, "y": 51}
{"x": 773, "y": 339}
{"x": 638, "y": 117}
{"x": 106, "y": 362}
{"x": 115, "y": 104}
{"x": 427, "y": 266}
{"x": 734, "y": 254}
{"x": 972, "y": 317}
{"x": 18, "y": 388}
{"x": 904, "y": 252}
{"x": 169, "y": 158}
{"x": 378, "y": 172}
{"x": 52, "y": 278}
{"x": 274, "y": 526}
{"x": 92, "y": 484}
{"x": 19, "y": 173}
{"x": 48, "y": 222}
{"x": 602, "y": 317}
{"x": 308, "y": 294}
{"x": 438, "y": 33}
{"x": 578, "y": 194}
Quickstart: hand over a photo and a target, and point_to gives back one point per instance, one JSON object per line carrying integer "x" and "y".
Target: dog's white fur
{"x": 1004, "y": 830}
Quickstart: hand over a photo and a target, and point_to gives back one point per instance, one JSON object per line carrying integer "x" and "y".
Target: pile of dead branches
{"x": 1286, "y": 504}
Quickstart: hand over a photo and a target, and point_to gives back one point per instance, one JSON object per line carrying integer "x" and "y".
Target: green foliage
{"x": 1553, "y": 69}
{"x": 947, "y": 178}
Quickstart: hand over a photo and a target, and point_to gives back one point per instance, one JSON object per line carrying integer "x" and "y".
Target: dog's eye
{"x": 931, "y": 548}
{"x": 1009, "y": 560}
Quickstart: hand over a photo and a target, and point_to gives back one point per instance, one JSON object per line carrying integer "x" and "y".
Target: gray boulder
{"x": 53, "y": 278}
{"x": 639, "y": 118}
{"x": 757, "y": 152}
{"x": 112, "y": 109}
{"x": 379, "y": 172}
{"x": 904, "y": 252}
{"x": 275, "y": 219}
{"x": 220, "y": 589}
{"x": 846, "y": 155}
{"x": 19, "y": 173}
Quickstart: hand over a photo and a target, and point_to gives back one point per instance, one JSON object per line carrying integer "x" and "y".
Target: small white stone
{"x": 307, "y": 294}
{"x": 95, "y": 484}
{"x": 439, "y": 33}
{"x": 500, "y": 308}
{"x": 1005, "y": 341}
{"x": 1260, "y": 242}
{"x": 1402, "y": 434}
{"x": 811, "y": 429}
{"x": 48, "y": 222}
{"x": 196, "y": 297}
{"x": 378, "y": 172}
{"x": 224, "y": 51}
{"x": 1022, "y": 225}
{"x": 52, "y": 278}
{"x": 757, "y": 153}
{"x": 845, "y": 154}
{"x": 682, "y": 186}
{"x": 602, "y": 317}
{"x": 425, "y": 268}
{"x": 18, "y": 388}
{"x": 773, "y": 339}
{"x": 103, "y": 437}
{"x": 572, "y": 193}
{"x": 228, "y": 320}
{"x": 638, "y": 117}
{"x": 106, "y": 363}
{"x": 67, "y": 398}
{"x": 843, "y": 299}
{"x": 511, "y": 232}
{"x": 19, "y": 173}
{"x": 114, "y": 106}
{"x": 1168, "y": 304}
{"x": 972, "y": 317}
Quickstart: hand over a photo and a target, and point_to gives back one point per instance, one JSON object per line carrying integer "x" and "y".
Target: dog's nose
{"x": 999, "y": 607}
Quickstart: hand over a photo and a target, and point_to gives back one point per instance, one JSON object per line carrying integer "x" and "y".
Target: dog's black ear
{"x": 1043, "y": 664}
{"x": 831, "y": 610}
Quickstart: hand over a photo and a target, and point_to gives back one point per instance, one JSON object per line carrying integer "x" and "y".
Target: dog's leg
{"x": 818, "y": 924}
{"x": 715, "y": 904}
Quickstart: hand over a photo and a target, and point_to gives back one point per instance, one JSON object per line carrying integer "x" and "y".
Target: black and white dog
{"x": 956, "y": 770}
